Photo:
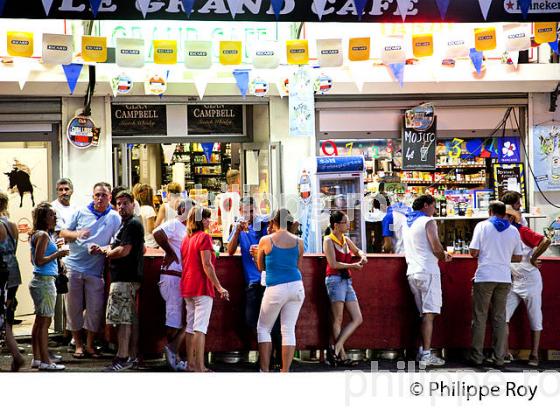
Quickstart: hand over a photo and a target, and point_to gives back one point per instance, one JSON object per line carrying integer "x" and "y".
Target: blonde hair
{"x": 144, "y": 194}
{"x": 233, "y": 177}
{"x": 174, "y": 188}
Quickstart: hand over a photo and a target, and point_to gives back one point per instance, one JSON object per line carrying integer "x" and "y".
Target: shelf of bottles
{"x": 209, "y": 174}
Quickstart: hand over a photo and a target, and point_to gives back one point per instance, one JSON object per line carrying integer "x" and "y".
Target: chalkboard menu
{"x": 419, "y": 148}
{"x": 215, "y": 119}
{"x": 509, "y": 177}
{"x": 132, "y": 119}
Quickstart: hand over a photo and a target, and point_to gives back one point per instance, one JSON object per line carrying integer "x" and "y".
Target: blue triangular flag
{"x": 524, "y": 6}
{"x": 2, "y": 4}
{"x": 554, "y": 46}
{"x": 360, "y": 6}
{"x": 188, "y": 6}
{"x": 95, "y": 6}
{"x": 398, "y": 72}
{"x": 476, "y": 58}
{"x": 277, "y": 7}
{"x": 242, "y": 80}
{"x": 442, "y": 5}
{"x": 207, "y": 148}
{"x": 72, "y": 72}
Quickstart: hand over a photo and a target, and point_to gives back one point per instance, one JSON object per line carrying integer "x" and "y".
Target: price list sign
{"x": 419, "y": 147}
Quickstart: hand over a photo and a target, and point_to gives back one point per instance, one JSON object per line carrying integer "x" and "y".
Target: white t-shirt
{"x": 495, "y": 252}
{"x": 63, "y": 214}
{"x": 399, "y": 221}
{"x": 147, "y": 212}
{"x": 175, "y": 232}
{"x": 228, "y": 203}
{"x": 525, "y": 273}
{"x": 417, "y": 248}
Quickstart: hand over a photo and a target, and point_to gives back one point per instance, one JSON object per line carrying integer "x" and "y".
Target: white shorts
{"x": 531, "y": 295}
{"x": 199, "y": 310}
{"x": 170, "y": 290}
{"x": 426, "y": 289}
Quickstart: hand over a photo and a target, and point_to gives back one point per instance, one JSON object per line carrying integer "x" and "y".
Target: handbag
{"x": 61, "y": 280}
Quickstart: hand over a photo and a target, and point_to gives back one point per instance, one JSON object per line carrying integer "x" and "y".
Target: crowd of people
{"x": 73, "y": 247}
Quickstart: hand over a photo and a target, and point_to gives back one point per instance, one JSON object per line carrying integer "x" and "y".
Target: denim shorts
{"x": 340, "y": 290}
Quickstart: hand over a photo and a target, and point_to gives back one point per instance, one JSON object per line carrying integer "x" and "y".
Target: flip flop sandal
{"x": 81, "y": 355}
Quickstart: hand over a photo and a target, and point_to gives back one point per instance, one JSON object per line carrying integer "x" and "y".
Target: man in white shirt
{"x": 423, "y": 250}
{"x": 228, "y": 203}
{"x": 495, "y": 243}
{"x": 169, "y": 237}
{"x": 64, "y": 210}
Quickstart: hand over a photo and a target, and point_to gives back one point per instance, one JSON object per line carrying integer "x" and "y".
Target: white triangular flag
{"x": 168, "y": 151}
{"x": 201, "y": 80}
{"x": 485, "y": 7}
{"x": 23, "y": 67}
{"x": 320, "y": 6}
{"x": 514, "y": 55}
{"x": 47, "y": 6}
{"x": 234, "y": 7}
{"x": 144, "y": 5}
{"x": 359, "y": 73}
{"x": 403, "y": 6}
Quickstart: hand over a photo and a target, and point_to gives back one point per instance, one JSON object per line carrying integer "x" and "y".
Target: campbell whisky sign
{"x": 138, "y": 119}
{"x": 379, "y": 11}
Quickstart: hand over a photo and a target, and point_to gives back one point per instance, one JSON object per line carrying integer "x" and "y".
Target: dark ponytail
{"x": 282, "y": 218}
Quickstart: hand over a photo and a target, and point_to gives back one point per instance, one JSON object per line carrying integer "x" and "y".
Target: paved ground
{"x": 159, "y": 365}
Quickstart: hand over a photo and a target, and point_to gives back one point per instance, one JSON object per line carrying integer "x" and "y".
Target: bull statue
{"x": 22, "y": 182}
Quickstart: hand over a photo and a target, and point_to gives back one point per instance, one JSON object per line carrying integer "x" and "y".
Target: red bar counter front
{"x": 390, "y": 317}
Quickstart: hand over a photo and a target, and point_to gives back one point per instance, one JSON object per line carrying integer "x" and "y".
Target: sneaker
{"x": 35, "y": 364}
{"x": 533, "y": 361}
{"x": 119, "y": 365}
{"x": 508, "y": 358}
{"x": 134, "y": 363}
{"x": 55, "y": 358}
{"x": 51, "y": 367}
{"x": 419, "y": 354}
{"x": 170, "y": 357}
{"x": 428, "y": 359}
{"x": 182, "y": 366}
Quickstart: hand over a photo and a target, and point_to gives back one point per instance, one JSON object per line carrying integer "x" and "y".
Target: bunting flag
{"x": 129, "y": 52}
{"x": 398, "y": 72}
{"x": 201, "y": 80}
{"x": 297, "y": 52}
{"x": 230, "y": 52}
{"x": 524, "y": 5}
{"x": 360, "y": 6}
{"x": 144, "y": 5}
{"x": 235, "y": 6}
{"x": 514, "y": 56}
{"x": 403, "y": 6}
{"x": 156, "y": 84}
{"x": 122, "y": 84}
{"x": 95, "y": 4}
{"x": 545, "y": 32}
{"x": 242, "y": 80}
{"x": 277, "y": 7}
{"x": 359, "y": 48}
{"x": 57, "y": 49}
{"x": 485, "y": 38}
{"x": 23, "y": 70}
{"x": 518, "y": 37}
{"x": 207, "y": 148}
{"x": 476, "y": 58}
{"x": 485, "y": 7}
{"x": 266, "y": 55}
{"x": 47, "y": 4}
{"x": 329, "y": 52}
{"x": 359, "y": 72}
{"x": 393, "y": 50}
{"x": 2, "y": 4}
{"x": 442, "y": 5}
{"x": 282, "y": 83}
{"x": 94, "y": 49}
{"x": 20, "y": 44}
{"x": 456, "y": 45}
{"x": 554, "y": 46}
{"x": 165, "y": 51}
{"x": 72, "y": 72}
{"x": 188, "y": 6}
{"x": 320, "y": 6}
{"x": 423, "y": 45}
{"x": 198, "y": 55}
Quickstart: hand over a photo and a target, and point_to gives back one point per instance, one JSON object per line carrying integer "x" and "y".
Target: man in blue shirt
{"x": 95, "y": 224}
{"x": 246, "y": 233}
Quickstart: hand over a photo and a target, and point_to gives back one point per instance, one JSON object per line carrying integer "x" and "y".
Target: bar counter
{"x": 390, "y": 316}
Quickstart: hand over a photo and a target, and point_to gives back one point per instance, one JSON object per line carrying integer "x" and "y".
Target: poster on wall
{"x": 24, "y": 177}
{"x": 509, "y": 177}
{"x": 419, "y": 139}
{"x": 138, "y": 119}
{"x": 82, "y": 132}
{"x": 546, "y": 157}
{"x": 302, "y": 104}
